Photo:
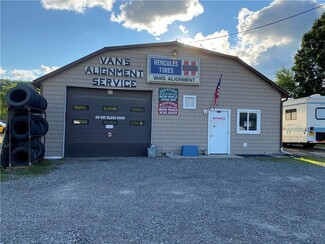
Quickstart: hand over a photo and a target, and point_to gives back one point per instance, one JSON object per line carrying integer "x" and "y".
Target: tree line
{"x": 307, "y": 76}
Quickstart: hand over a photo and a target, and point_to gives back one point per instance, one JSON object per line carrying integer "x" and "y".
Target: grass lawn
{"x": 42, "y": 167}
{"x": 311, "y": 160}
{"x": 322, "y": 146}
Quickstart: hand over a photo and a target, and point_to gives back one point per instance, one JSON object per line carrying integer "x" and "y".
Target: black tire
{"x": 20, "y": 126}
{"x": 35, "y": 117}
{"x": 35, "y": 145}
{"x": 39, "y": 149}
{"x": 42, "y": 105}
{"x": 41, "y": 125}
{"x": 22, "y": 95}
{"x": 4, "y": 157}
{"x": 45, "y": 126}
{"x": 20, "y": 156}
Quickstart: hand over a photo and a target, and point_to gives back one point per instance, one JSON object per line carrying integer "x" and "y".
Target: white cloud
{"x": 2, "y": 72}
{"x": 283, "y": 34}
{"x": 271, "y": 46}
{"x": 46, "y": 69}
{"x": 77, "y": 5}
{"x": 28, "y": 75}
{"x": 183, "y": 29}
{"x": 155, "y": 16}
{"x": 213, "y": 43}
{"x": 20, "y": 74}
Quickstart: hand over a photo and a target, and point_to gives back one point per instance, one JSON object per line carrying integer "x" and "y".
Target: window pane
{"x": 252, "y": 121}
{"x": 288, "y": 115}
{"x": 243, "y": 121}
{"x": 137, "y": 109}
{"x": 80, "y": 121}
{"x": 109, "y": 122}
{"x": 110, "y": 108}
{"x": 249, "y": 121}
{"x": 320, "y": 113}
{"x": 291, "y": 114}
{"x": 80, "y": 107}
{"x": 137, "y": 123}
{"x": 294, "y": 114}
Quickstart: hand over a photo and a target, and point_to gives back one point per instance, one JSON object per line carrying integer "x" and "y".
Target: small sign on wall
{"x": 168, "y": 101}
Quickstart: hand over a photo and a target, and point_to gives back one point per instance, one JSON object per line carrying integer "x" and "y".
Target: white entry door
{"x": 219, "y": 133}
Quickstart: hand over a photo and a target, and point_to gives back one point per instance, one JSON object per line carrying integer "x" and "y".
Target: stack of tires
{"x": 27, "y": 126}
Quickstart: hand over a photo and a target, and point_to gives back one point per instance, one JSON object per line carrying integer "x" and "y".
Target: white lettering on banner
{"x": 164, "y": 62}
{"x": 110, "y": 117}
{"x": 166, "y": 70}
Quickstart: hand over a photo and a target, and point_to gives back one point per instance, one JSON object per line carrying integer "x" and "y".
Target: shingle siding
{"x": 240, "y": 89}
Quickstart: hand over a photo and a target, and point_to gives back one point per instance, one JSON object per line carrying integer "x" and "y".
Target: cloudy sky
{"x": 40, "y": 36}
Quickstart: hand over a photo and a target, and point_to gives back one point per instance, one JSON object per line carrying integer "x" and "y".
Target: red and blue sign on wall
{"x": 167, "y": 70}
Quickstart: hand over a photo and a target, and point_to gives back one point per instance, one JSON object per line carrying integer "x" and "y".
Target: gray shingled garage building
{"x": 118, "y": 100}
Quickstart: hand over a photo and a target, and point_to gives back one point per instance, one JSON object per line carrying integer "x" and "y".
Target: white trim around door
{"x": 219, "y": 131}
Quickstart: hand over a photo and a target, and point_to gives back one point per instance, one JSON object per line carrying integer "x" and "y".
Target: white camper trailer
{"x": 304, "y": 121}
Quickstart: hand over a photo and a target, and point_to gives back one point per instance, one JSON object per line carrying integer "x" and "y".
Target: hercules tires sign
{"x": 168, "y": 70}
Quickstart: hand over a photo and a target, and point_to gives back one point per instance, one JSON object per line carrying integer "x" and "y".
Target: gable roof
{"x": 283, "y": 93}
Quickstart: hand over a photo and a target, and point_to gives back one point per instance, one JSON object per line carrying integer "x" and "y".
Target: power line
{"x": 262, "y": 26}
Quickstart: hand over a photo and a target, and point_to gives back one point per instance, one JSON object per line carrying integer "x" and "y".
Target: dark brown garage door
{"x": 104, "y": 123}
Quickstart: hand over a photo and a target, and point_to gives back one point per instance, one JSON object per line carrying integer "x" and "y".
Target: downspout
{"x": 281, "y": 123}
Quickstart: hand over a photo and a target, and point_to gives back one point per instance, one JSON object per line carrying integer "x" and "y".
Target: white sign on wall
{"x": 169, "y": 70}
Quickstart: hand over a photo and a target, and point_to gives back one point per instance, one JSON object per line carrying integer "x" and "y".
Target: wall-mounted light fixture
{"x": 175, "y": 52}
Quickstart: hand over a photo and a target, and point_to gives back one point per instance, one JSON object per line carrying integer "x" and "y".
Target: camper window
{"x": 291, "y": 114}
{"x": 320, "y": 113}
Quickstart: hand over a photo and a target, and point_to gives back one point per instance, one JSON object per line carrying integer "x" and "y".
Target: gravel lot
{"x": 160, "y": 200}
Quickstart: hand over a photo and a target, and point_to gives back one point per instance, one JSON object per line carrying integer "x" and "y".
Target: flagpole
{"x": 211, "y": 102}
{"x": 215, "y": 92}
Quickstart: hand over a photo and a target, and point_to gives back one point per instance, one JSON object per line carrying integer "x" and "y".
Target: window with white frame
{"x": 248, "y": 121}
{"x": 189, "y": 102}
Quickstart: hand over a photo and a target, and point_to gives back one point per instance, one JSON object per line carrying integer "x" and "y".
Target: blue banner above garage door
{"x": 105, "y": 123}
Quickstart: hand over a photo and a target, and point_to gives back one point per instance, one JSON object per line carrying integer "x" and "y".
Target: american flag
{"x": 217, "y": 93}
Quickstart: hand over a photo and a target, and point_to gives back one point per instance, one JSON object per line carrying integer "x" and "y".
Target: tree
{"x": 5, "y": 86}
{"x": 309, "y": 67}
{"x": 285, "y": 79}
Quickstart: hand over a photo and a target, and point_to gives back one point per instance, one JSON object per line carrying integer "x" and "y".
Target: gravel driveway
{"x": 297, "y": 150}
{"x": 160, "y": 200}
